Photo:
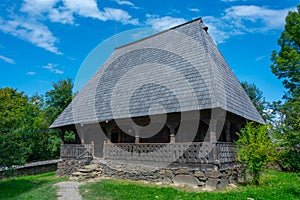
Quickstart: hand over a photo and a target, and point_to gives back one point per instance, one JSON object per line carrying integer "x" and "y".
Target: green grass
{"x": 274, "y": 185}
{"x": 30, "y": 187}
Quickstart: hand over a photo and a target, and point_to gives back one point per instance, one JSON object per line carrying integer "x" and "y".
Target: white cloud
{"x": 71, "y": 58}
{"x": 8, "y": 60}
{"x": 163, "y": 23}
{"x": 31, "y": 31}
{"x": 61, "y": 15}
{"x": 117, "y": 15}
{"x": 194, "y": 10}
{"x": 31, "y": 27}
{"x": 64, "y": 11}
{"x": 53, "y": 68}
{"x": 36, "y": 7}
{"x": 86, "y": 8}
{"x": 31, "y": 73}
{"x": 238, "y": 20}
{"x": 259, "y": 58}
{"x": 270, "y": 19}
{"x": 219, "y": 29}
{"x": 120, "y": 2}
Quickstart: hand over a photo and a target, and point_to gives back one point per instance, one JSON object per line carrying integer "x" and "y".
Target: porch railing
{"x": 200, "y": 152}
{"x": 76, "y": 151}
{"x": 226, "y": 152}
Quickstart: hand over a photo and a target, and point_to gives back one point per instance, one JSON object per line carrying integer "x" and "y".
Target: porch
{"x": 182, "y": 153}
{"x": 190, "y": 141}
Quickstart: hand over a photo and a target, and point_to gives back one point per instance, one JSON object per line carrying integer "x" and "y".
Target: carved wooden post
{"x": 212, "y": 131}
{"x": 77, "y": 138}
{"x": 109, "y": 127}
{"x": 172, "y": 125}
{"x": 108, "y": 137}
{"x": 137, "y": 134}
{"x": 92, "y": 144}
{"x": 213, "y": 138}
{"x": 63, "y": 136}
{"x": 227, "y": 131}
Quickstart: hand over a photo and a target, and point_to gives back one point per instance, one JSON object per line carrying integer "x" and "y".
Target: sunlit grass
{"x": 274, "y": 185}
{"x": 30, "y": 187}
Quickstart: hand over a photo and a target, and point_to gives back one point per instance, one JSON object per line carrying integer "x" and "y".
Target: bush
{"x": 255, "y": 149}
{"x": 289, "y": 160}
{"x": 289, "y": 153}
{"x": 13, "y": 150}
{"x": 19, "y": 146}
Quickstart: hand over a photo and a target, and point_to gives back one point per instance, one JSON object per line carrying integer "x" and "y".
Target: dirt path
{"x": 68, "y": 190}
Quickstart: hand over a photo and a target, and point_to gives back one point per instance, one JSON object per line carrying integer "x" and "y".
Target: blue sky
{"x": 42, "y": 41}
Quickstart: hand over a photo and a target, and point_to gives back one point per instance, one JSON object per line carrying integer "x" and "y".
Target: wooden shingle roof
{"x": 180, "y": 69}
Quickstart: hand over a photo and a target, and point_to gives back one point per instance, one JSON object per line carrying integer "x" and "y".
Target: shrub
{"x": 255, "y": 149}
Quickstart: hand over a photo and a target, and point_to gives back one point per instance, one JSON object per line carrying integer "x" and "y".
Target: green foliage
{"x": 290, "y": 160}
{"x": 13, "y": 150}
{"x": 19, "y": 146}
{"x": 58, "y": 98}
{"x": 43, "y": 145}
{"x": 22, "y": 119}
{"x": 255, "y": 149}
{"x": 256, "y": 96}
{"x": 69, "y": 137}
{"x": 289, "y": 152}
{"x": 12, "y": 105}
{"x": 286, "y": 62}
{"x": 286, "y": 66}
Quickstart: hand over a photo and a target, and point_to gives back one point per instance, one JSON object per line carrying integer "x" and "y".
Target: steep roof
{"x": 177, "y": 70}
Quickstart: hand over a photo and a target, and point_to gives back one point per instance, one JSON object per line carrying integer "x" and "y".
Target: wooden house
{"x": 167, "y": 98}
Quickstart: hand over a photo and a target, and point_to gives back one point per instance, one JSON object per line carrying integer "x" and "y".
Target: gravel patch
{"x": 68, "y": 190}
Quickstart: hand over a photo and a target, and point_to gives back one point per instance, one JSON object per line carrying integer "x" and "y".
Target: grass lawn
{"x": 274, "y": 185}
{"x": 30, "y": 187}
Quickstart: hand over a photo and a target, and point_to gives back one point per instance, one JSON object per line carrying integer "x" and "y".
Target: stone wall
{"x": 31, "y": 169}
{"x": 209, "y": 175}
{"x": 68, "y": 167}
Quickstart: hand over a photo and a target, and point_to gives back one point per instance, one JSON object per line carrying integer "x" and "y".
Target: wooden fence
{"x": 200, "y": 152}
{"x": 76, "y": 151}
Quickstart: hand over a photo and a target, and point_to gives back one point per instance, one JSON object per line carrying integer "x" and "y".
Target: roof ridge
{"x": 211, "y": 70}
{"x": 159, "y": 33}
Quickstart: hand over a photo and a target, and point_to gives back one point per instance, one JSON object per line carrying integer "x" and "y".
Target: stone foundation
{"x": 68, "y": 167}
{"x": 212, "y": 175}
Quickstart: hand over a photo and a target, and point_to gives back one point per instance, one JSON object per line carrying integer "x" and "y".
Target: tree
{"x": 33, "y": 116}
{"x": 286, "y": 66}
{"x": 286, "y": 62}
{"x": 256, "y": 96}
{"x": 12, "y": 106}
{"x": 24, "y": 134}
{"x": 58, "y": 98}
{"x": 255, "y": 149}
{"x": 13, "y": 149}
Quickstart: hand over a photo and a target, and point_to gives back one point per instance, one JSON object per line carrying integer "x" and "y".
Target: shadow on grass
{"x": 27, "y": 186}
